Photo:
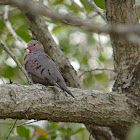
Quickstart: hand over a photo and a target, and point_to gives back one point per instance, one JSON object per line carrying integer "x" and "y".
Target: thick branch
{"x": 128, "y": 31}
{"x": 89, "y": 107}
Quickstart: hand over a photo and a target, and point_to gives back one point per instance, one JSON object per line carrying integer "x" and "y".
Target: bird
{"x": 41, "y": 68}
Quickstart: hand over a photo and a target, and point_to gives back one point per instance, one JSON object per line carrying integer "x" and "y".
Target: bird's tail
{"x": 70, "y": 93}
{"x": 64, "y": 87}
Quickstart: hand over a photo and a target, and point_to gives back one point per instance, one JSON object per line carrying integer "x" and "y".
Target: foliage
{"x": 134, "y": 133}
{"x": 47, "y": 131}
{"x": 84, "y": 49}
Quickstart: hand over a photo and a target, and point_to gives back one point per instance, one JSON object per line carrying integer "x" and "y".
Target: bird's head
{"x": 34, "y": 46}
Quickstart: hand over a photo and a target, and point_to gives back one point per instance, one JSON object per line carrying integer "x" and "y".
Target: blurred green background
{"x": 85, "y": 50}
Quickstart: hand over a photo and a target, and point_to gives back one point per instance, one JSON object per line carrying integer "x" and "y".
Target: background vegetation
{"x": 87, "y": 51}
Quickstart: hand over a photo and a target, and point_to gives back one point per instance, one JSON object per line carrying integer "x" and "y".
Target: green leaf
{"x": 4, "y": 130}
{"x": 101, "y": 77}
{"x": 99, "y": 3}
{"x": 74, "y": 7}
{"x": 22, "y": 131}
{"x": 88, "y": 80}
{"x": 2, "y": 25}
{"x": 53, "y": 137}
{"x": 42, "y": 138}
{"x": 58, "y": 2}
{"x": 134, "y": 133}
{"x": 58, "y": 29}
{"x": 101, "y": 58}
{"x": 90, "y": 39}
{"x": 62, "y": 130}
{"x": 85, "y": 59}
{"x": 24, "y": 35}
{"x": 78, "y": 130}
{"x": 16, "y": 138}
{"x": 52, "y": 125}
{"x": 86, "y": 5}
{"x": 55, "y": 2}
{"x": 69, "y": 130}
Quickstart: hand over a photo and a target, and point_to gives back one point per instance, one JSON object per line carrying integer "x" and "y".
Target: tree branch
{"x": 126, "y": 53}
{"x": 11, "y": 129}
{"x": 97, "y": 9}
{"x": 16, "y": 61}
{"x": 89, "y": 107}
{"x": 130, "y": 32}
{"x": 98, "y": 69}
{"x": 9, "y": 26}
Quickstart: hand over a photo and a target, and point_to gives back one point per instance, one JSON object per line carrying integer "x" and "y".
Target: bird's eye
{"x": 34, "y": 44}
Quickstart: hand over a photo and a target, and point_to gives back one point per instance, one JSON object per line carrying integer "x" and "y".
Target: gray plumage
{"x": 41, "y": 68}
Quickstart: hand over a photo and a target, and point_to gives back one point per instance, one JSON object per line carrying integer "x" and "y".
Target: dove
{"x": 41, "y": 68}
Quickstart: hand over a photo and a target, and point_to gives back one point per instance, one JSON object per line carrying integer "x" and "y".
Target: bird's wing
{"x": 27, "y": 61}
{"x": 50, "y": 70}
{"x": 42, "y": 66}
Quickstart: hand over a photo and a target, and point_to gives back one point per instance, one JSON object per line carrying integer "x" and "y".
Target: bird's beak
{"x": 27, "y": 47}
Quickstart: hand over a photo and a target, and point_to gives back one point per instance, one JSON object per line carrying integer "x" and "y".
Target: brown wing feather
{"x": 43, "y": 70}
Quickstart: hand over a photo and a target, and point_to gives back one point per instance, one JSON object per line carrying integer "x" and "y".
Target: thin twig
{"x": 10, "y": 10}
{"x": 9, "y": 26}
{"x": 86, "y": 71}
{"x": 25, "y": 123}
{"x": 16, "y": 61}
{"x": 9, "y": 121}
{"x": 11, "y": 129}
{"x": 97, "y": 9}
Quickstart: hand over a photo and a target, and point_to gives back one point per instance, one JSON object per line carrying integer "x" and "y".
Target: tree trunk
{"x": 126, "y": 54}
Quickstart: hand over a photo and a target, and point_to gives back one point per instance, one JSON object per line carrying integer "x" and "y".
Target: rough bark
{"x": 90, "y": 107}
{"x": 126, "y": 54}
